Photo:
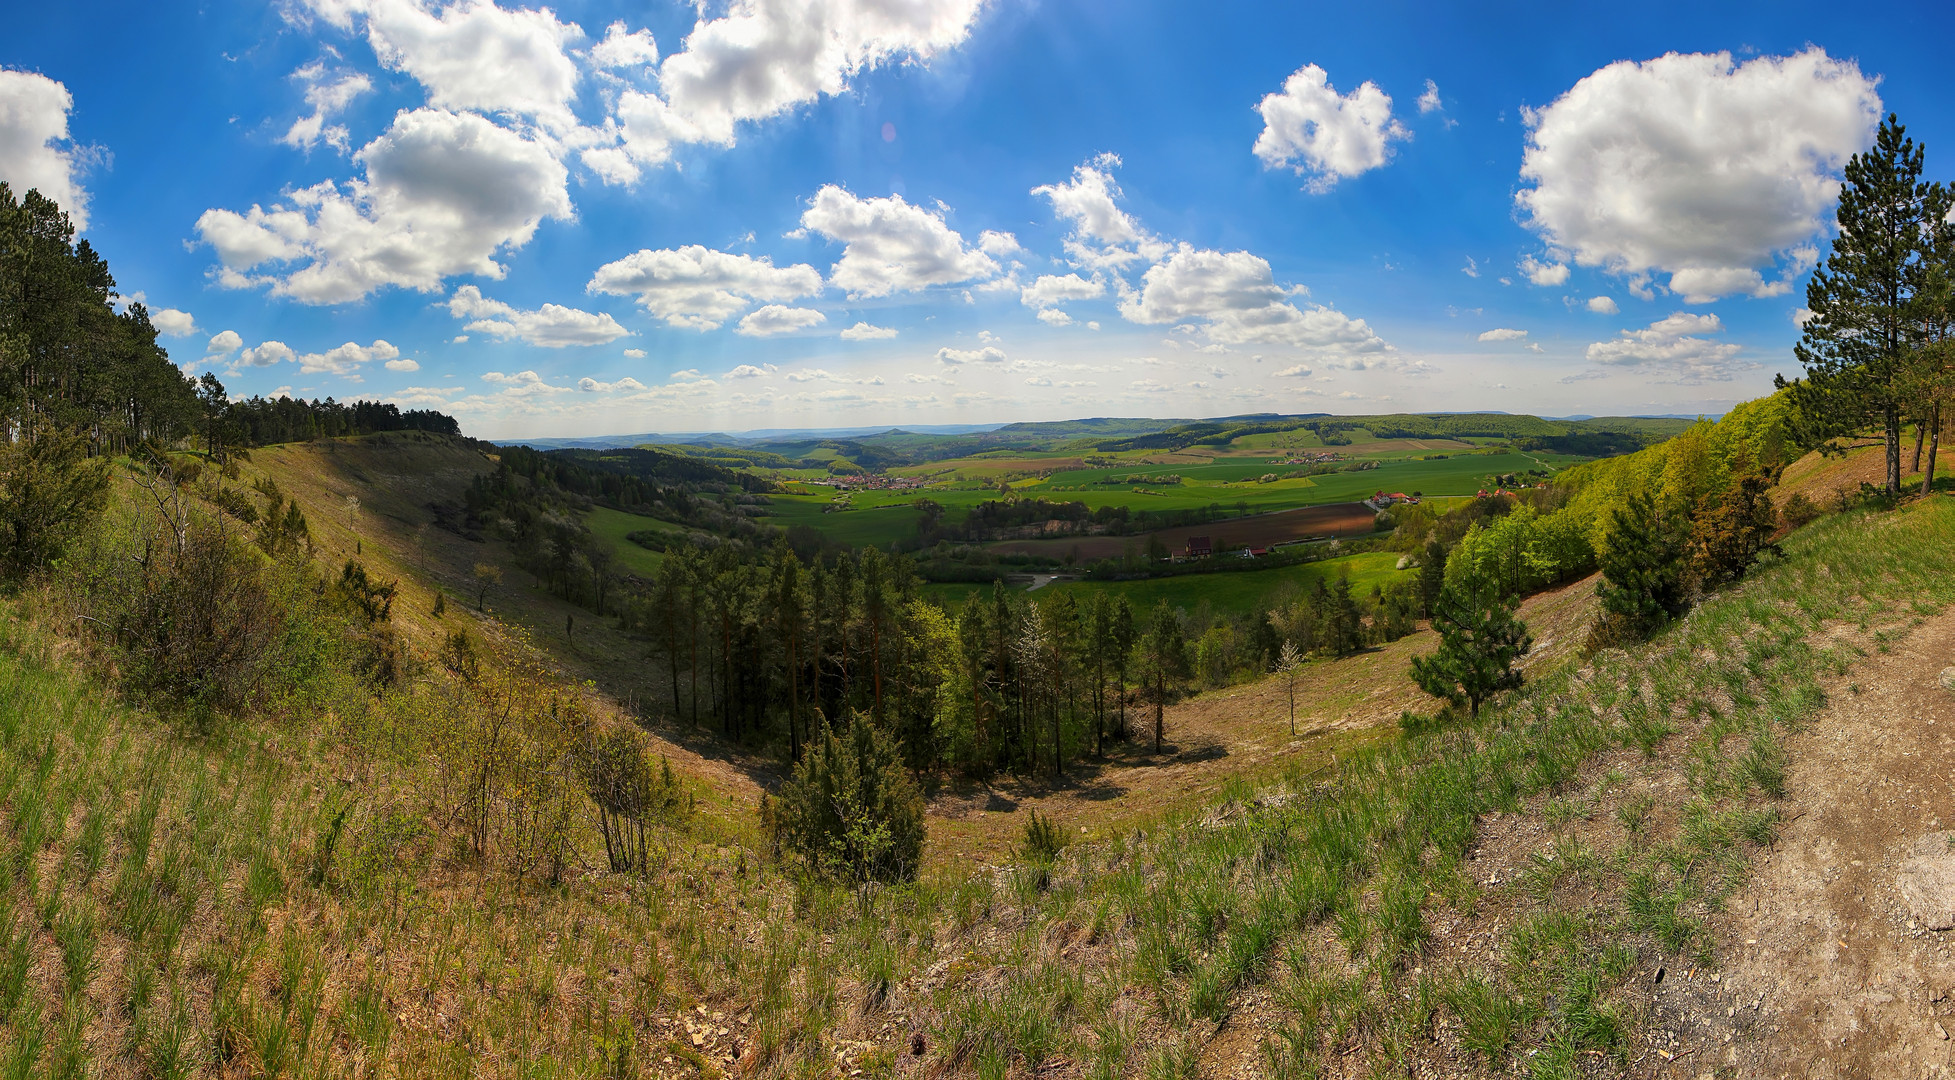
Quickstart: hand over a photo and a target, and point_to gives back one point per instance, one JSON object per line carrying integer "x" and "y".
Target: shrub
{"x": 631, "y": 796}
{"x": 1042, "y": 841}
{"x": 1798, "y": 511}
{"x": 199, "y": 625}
{"x": 851, "y": 812}
{"x": 49, "y": 490}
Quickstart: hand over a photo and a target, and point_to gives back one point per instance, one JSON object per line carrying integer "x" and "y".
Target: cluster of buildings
{"x": 1382, "y": 500}
{"x": 870, "y": 482}
{"x": 1310, "y": 459}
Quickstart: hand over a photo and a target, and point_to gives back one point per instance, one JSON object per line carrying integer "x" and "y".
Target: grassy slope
{"x": 1341, "y": 917}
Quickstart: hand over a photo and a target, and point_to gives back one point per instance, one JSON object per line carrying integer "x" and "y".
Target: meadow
{"x": 615, "y": 525}
{"x": 1235, "y": 592}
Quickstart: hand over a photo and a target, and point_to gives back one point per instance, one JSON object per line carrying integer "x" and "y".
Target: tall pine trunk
{"x": 1893, "y": 412}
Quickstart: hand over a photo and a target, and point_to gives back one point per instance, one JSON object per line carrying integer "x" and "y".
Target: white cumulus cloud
{"x": 173, "y": 322}
{"x": 1546, "y": 274}
{"x": 551, "y": 326}
{"x": 1698, "y": 167}
{"x": 328, "y": 93}
{"x": 863, "y": 331}
{"x": 33, "y": 138}
{"x": 762, "y": 58}
{"x": 1671, "y": 345}
{"x": 1310, "y": 128}
{"x": 1503, "y": 334}
{"x": 698, "y": 288}
{"x": 1603, "y": 305}
{"x": 989, "y": 354}
{"x": 624, "y": 49}
{"x": 224, "y": 343}
{"x": 1234, "y": 298}
{"x": 444, "y": 193}
{"x": 1051, "y": 290}
{"x": 1103, "y": 234}
{"x": 891, "y": 246}
{"x": 779, "y": 319}
{"x": 473, "y": 55}
{"x": 402, "y": 364}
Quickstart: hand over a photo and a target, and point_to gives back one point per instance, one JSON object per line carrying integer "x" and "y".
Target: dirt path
{"x": 1829, "y": 947}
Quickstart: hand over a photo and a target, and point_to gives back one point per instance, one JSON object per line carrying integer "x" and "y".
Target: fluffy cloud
{"x": 749, "y": 371}
{"x": 1430, "y": 102}
{"x": 1299, "y": 371}
{"x": 592, "y": 386}
{"x": 444, "y": 193}
{"x": 224, "y": 343}
{"x": 1055, "y": 317}
{"x": 779, "y": 319}
{"x": 891, "y": 246}
{"x": 173, "y": 322}
{"x": 1670, "y": 344}
{"x": 1503, "y": 334}
{"x": 1697, "y": 167}
{"x": 551, "y": 326}
{"x": 989, "y": 354}
{"x": 766, "y": 57}
{"x": 620, "y": 49}
{"x": 1546, "y": 274}
{"x": 1311, "y": 129}
{"x": 328, "y": 94}
{"x": 33, "y": 129}
{"x": 345, "y": 360}
{"x": 265, "y": 354}
{"x": 1234, "y": 296}
{"x": 697, "y": 288}
{"x": 473, "y": 55}
{"x": 522, "y": 384}
{"x": 1051, "y": 290}
{"x": 862, "y": 331}
{"x": 402, "y": 364}
{"x": 1103, "y": 235}
{"x": 1603, "y": 305}
{"x": 635, "y": 354}
{"x": 999, "y": 244}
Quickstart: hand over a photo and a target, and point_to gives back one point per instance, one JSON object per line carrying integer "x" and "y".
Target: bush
{"x": 199, "y": 626}
{"x": 1042, "y": 841}
{"x": 49, "y": 490}
{"x": 851, "y": 812}
{"x": 1798, "y": 511}
{"x": 631, "y": 796}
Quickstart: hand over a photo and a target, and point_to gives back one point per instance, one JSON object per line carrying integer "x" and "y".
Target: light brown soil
{"x": 1257, "y": 530}
{"x": 1828, "y": 968}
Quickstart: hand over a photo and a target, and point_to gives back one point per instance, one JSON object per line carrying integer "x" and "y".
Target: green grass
{"x": 1240, "y": 592}
{"x": 879, "y": 518}
{"x": 613, "y": 525}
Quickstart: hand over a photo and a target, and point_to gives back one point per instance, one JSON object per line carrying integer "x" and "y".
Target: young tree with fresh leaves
{"x": 1479, "y": 640}
{"x": 1862, "y": 323}
{"x": 1733, "y": 528}
{"x": 1432, "y": 576}
{"x": 1289, "y": 667}
{"x": 1642, "y": 584}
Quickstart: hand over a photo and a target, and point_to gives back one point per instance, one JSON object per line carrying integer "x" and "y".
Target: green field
{"x": 613, "y": 525}
{"x": 1240, "y": 592}
{"x": 878, "y": 518}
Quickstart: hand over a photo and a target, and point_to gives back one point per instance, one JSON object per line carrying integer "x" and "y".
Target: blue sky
{"x": 601, "y": 218}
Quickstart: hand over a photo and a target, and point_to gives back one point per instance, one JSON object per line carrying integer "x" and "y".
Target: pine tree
{"x": 1479, "y": 640}
{"x": 1432, "y": 576}
{"x": 1642, "y": 574}
{"x": 1166, "y": 653}
{"x": 1861, "y": 327}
